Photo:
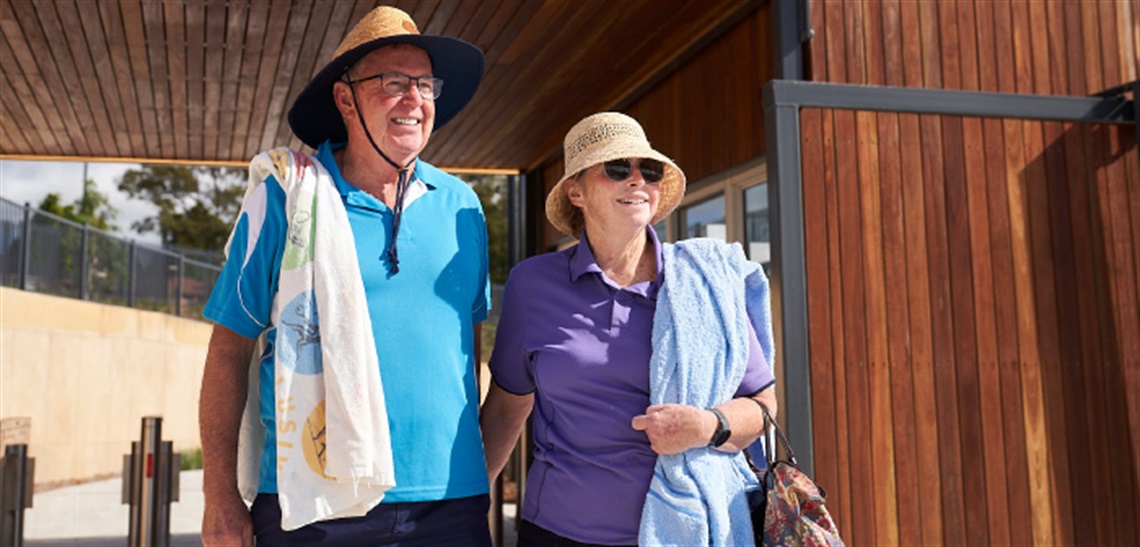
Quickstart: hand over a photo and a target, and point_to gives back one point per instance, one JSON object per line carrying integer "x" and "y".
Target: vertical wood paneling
{"x": 277, "y": 105}
{"x": 921, "y": 336}
{"x": 839, "y": 347}
{"x": 942, "y": 330}
{"x": 1085, "y": 206}
{"x": 878, "y": 371}
{"x": 52, "y": 98}
{"x": 1123, "y": 282}
{"x": 36, "y": 118}
{"x": 898, "y": 332}
{"x": 87, "y": 59}
{"x": 854, "y": 334}
{"x": 823, "y": 384}
{"x": 1085, "y": 425}
{"x": 965, "y": 334}
{"x": 175, "y": 22}
{"x": 1047, "y": 164}
{"x": 987, "y": 228}
{"x": 979, "y": 145}
{"x": 159, "y": 80}
{"x": 1021, "y": 245}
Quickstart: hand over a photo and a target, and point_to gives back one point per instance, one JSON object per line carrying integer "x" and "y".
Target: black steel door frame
{"x": 783, "y": 100}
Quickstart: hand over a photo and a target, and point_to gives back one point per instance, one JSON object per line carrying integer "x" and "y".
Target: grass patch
{"x": 191, "y": 459}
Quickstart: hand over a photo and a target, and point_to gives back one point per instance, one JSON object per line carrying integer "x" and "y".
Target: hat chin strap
{"x": 401, "y": 186}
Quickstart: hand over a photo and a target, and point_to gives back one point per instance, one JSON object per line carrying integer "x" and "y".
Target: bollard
{"x": 17, "y": 471}
{"x": 150, "y": 483}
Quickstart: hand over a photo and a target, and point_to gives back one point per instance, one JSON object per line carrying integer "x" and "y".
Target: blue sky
{"x": 30, "y": 181}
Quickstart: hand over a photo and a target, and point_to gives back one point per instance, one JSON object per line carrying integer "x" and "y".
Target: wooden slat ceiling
{"x": 212, "y": 80}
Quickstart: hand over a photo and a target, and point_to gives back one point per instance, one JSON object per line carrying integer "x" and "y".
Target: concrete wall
{"x": 87, "y": 373}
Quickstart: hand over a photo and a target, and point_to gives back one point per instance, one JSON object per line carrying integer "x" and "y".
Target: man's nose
{"x": 413, "y": 95}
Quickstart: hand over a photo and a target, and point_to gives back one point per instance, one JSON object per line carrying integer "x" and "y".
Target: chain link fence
{"x": 48, "y": 254}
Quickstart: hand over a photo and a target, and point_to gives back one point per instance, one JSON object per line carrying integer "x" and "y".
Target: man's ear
{"x": 342, "y": 97}
{"x": 574, "y": 191}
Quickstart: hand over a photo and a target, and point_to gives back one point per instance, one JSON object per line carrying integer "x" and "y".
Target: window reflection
{"x": 706, "y": 219}
{"x": 756, "y": 229}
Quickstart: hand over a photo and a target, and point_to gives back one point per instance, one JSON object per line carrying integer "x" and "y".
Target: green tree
{"x": 492, "y": 192}
{"x": 93, "y": 208}
{"x": 197, "y": 206}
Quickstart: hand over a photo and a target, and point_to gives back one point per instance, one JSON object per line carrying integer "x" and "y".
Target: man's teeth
{"x": 406, "y": 121}
{"x": 633, "y": 201}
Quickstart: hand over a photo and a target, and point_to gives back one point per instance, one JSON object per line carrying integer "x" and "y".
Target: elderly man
{"x": 364, "y": 272}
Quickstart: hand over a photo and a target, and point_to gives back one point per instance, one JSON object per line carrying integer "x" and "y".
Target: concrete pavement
{"x": 93, "y": 515}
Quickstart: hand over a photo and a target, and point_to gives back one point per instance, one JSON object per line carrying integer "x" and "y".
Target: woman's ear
{"x": 574, "y": 191}
{"x": 342, "y": 97}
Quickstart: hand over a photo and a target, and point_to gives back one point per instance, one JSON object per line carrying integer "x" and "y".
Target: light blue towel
{"x": 700, "y": 351}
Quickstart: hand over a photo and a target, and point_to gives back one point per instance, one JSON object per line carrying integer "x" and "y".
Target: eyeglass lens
{"x": 619, "y": 170}
{"x": 397, "y": 84}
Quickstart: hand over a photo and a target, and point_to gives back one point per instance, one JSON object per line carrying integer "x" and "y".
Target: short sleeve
{"x": 510, "y": 359}
{"x": 242, "y": 299}
{"x": 757, "y": 375}
{"x": 482, "y": 304}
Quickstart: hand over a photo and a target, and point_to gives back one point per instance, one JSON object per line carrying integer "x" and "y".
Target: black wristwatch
{"x": 723, "y": 432}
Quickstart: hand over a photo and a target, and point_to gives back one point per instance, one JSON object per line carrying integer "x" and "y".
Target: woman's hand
{"x": 673, "y": 428}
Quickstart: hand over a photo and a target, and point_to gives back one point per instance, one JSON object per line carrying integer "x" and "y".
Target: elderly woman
{"x": 627, "y": 365}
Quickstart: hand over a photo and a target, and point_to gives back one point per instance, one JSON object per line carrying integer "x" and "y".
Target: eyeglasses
{"x": 619, "y": 170}
{"x": 397, "y": 84}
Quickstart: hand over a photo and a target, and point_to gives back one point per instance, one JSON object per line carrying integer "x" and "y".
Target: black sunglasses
{"x": 619, "y": 170}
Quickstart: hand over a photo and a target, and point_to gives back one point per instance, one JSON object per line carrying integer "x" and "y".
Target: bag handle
{"x": 769, "y": 451}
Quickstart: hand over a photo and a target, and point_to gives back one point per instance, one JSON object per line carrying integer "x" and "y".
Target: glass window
{"x": 662, "y": 235}
{"x": 706, "y": 219}
{"x": 757, "y": 237}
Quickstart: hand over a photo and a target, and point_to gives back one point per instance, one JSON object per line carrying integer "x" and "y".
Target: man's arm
{"x": 225, "y": 379}
{"x": 501, "y": 419}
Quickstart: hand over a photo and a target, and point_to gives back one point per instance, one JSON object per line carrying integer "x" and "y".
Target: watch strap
{"x": 723, "y": 432}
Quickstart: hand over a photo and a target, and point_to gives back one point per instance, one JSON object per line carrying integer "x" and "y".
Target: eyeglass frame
{"x": 436, "y": 83}
{"x": 649, "y": 175}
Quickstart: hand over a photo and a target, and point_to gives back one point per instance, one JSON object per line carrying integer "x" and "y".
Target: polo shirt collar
{"x": 355, "y": 196}
{"x": 582, "y": 262}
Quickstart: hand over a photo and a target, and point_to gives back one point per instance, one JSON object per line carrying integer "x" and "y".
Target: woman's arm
{"x": 501, "y": 419}
{"x": 674, "y": 428}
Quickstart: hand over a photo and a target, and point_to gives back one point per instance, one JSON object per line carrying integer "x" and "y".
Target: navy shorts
{"x": 461, "y": 521}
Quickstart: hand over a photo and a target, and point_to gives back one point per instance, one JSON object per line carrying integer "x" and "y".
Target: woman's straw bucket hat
{"x": 315, "y": 118}
{"x": 600, "y": 138}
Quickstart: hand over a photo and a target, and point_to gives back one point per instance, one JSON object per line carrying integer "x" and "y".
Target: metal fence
{"x": 45, "y": 253}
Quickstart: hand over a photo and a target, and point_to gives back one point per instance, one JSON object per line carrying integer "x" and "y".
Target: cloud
{"x": 31, "y": 181}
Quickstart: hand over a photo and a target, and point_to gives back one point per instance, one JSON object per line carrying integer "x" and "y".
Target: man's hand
{"x": 673, "y": 428}
{"x": 226, "y": 522}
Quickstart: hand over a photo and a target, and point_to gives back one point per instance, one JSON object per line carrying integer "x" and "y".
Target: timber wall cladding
{"x": 974, "y": 327}
{"x": 973, "y": 283}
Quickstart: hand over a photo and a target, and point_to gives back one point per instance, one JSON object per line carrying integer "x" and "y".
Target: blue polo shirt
{"x": 582, "y": 344}
{"x": 422, "y": 320}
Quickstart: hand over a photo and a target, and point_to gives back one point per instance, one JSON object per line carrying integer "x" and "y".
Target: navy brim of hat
{"x": 315, "y": 118}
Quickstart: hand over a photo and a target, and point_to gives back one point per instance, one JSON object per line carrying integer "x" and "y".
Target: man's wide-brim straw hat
{"x": 600, "y": 138}
{"x": 314, "y": 116}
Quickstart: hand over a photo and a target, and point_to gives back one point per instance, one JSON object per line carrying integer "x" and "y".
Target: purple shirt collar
{"x": 582, "y": 262}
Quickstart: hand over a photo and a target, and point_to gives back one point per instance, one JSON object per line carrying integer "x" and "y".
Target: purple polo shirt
{"x": 582, "y": 345}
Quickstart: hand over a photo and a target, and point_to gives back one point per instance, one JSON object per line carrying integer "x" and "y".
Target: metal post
{"x": 181, "y": 275}
{"x": 150, "y": 484}
{"x": 131, "y": 275}
{"x": 84, "y": 287}
{"x": 789, "y": 268}
{"x": 26, "y": 251}
{"x": 16, "y": 488}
